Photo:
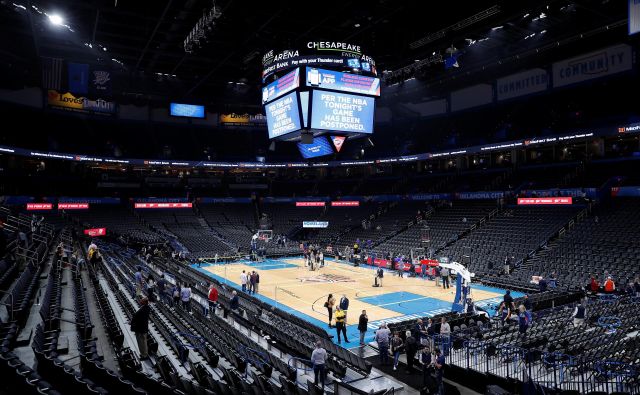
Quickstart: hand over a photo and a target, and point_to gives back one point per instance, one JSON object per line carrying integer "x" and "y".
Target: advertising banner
{"x": 601, "y": 63}
{"x": 545, "y": 201}
{"x": 73, "y": 206}
{"x": 345, "y": 82}
{"x": 163, "y": 205}
{"x": 95, "y": 232}
{"x": 310, "y": 204}
{"x": 246, "y": 120}
{"x": 521, "y": 84}
{"x": 39, "y": 206}
{"x": 69, "y": 102}
{"x": 342, "y": 112}
{"x": 345, "y": 203}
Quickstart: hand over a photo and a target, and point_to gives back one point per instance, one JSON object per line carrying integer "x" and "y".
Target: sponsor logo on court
{"x": 289, "y": 293}
{"x": 327, "y": 278}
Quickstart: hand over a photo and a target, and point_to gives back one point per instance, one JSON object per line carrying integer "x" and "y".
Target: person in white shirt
{"x": 318, "y": 358}
{"x": 445, "y": 329}
{"x": 185, "y": 297}
{"x": 579, "y": 315}
{"x": 243, "y": 281}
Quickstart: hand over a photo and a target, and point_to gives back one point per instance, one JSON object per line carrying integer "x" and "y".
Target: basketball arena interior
{"x": 216, "y": 197}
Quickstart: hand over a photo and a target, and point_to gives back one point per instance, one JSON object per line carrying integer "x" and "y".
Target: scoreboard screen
{"x": 342, "y": 112}
{"x": 283, "y": 85}
{"x": 319, "y": 147}
{"x": 186, "y": 110}
{"x": 283, "y": 115}
{"x": 345, "y": 82}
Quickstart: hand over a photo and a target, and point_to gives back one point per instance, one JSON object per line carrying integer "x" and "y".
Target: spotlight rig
{"x": 202, "y": 29}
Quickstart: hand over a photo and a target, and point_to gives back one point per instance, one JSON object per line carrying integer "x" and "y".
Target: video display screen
{"x": 342, "y": 112}
{"x": 186, "y": 110}
{"x": 315, "y": 224}
{"x": 319, "y": 147}
{"x": 283, "y": 115}
{"x": 282, "y": 85}
{"x": 345, "y": 82}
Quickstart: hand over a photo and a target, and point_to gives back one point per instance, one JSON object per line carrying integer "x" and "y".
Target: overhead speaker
{"x": 306, "y": 137}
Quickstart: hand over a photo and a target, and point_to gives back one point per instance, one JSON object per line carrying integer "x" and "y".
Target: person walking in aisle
{"x": 397, "y": 345}
{"x": 318, "y": 359}
{"x": 185, "y": 297}
{"x": 140, "y": 326}
{"x": 382, "y": 338}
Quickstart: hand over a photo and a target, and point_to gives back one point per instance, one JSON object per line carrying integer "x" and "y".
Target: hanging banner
{"x": 602, "y": 63}
{"x": 521, "y": 84}
{"x": 634, "y": 16}
{"x": 69, "y": 102}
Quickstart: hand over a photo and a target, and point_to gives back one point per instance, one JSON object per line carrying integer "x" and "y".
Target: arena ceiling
{"x": 143, "y": 39}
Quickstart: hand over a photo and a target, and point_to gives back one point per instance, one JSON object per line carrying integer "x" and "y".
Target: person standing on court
{"x": 380, "y": 275}
{"x": 331, "y": 301}
{"x": 256, "y": 283}
{"x": 445, "y": 278}
{"x": 243, "y": 281}
{"x": 318, "y": 358}
{"x": 252, "y": 282}
{"x": 140, "y": 326}
{"x": 341, "y": 324}
{"x": 382, "y": 338}
{"x": 362, "y": 325}
{"x": 344, "y": 304}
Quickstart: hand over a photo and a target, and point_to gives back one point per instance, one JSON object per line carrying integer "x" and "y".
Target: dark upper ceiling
{"x": 146, "y": 36}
